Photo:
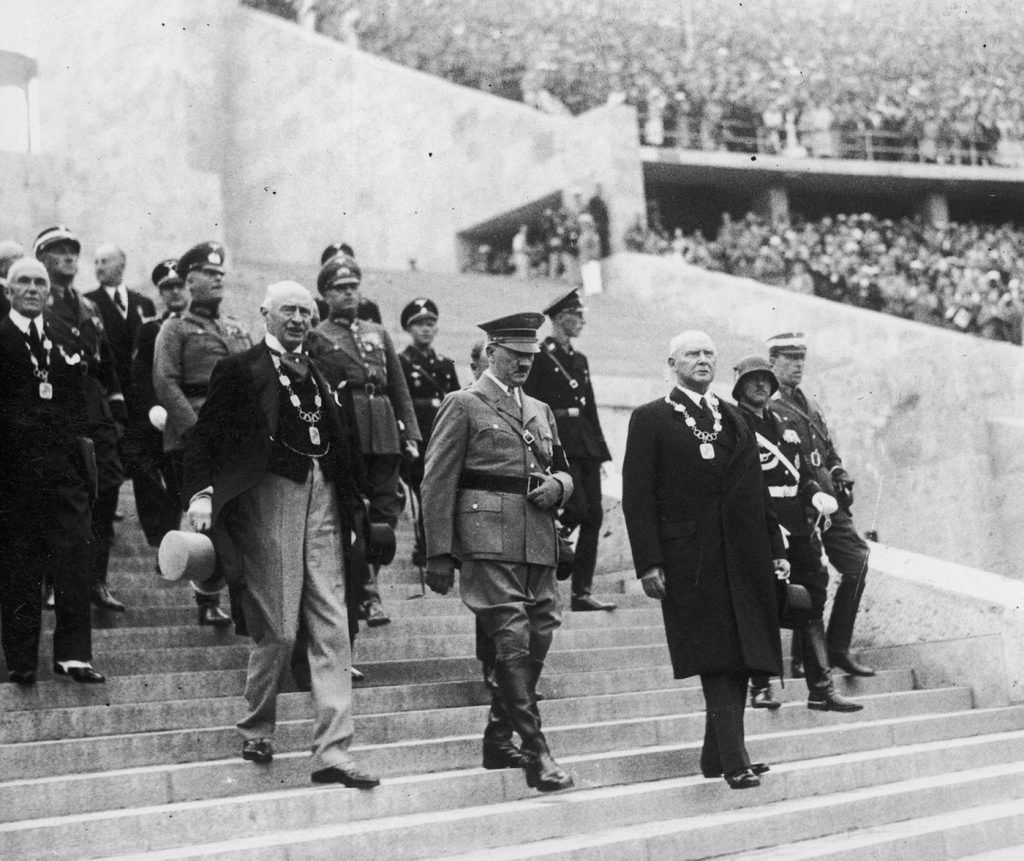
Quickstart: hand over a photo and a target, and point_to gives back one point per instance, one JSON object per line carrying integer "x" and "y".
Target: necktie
{"x": 120, "y": 303}
{"x": 35, "y": 343}
{"x": 296, "y": 364}
{"x": 706, "y": 411}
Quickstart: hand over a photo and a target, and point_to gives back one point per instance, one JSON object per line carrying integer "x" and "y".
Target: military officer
{"x": 77, "y": 322}
{"x": 846, "y": 550}
{"x": 561, "y": 378}
{"x": 366, "y": 309}
{"x": 495, "y": 476}
{"x": 358, "y": 356}
{"x": 186, "y": 349}
{"x": 429, "y": 377}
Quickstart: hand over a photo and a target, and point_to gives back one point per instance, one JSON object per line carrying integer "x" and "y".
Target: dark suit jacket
{"x": 711, "y": 526}
{"x": 121, "y": 331}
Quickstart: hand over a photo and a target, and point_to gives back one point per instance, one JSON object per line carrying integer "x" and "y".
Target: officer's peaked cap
{"x": 568, "y": 302}
{"x": 165, "y": 273}
{"x": 418, "y": 309}
{"x": 205, "y": 255}
{"x": 336, "y": 248}
{"x": 53, "y": 235}
{"x": 517, "y": 332}
{"x": 339, "y": 269}
{"x": 787, "y": 342}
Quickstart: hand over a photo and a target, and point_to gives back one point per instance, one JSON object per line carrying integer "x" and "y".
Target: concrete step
{"x": 383, "y": 715}
{"x": 642, "y": 725}
{"x": 966, "y": 833}
{"x": 869, "y": 787}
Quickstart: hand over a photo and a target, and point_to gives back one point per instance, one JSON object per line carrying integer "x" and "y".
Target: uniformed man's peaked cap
{"x": 751, "y": 365}
{"x": 53, "y": 235}
{"x": 205, "y": 255}
{"x": 332, "y": 249}
{"x": 165, "y": 273}
{"x": 418, "y": 309}
{"x": 340, "y": 269}
{"x": 517, "y": 332}
{"x": 568, "y": 302}
{"x": 787, "y": 342}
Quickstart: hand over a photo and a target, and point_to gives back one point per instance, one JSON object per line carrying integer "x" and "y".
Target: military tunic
{"x": 187, "y": 348}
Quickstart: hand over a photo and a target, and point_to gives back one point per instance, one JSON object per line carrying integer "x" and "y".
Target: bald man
{"x": 272, "y": 474}
{"x": 123, "y": 310}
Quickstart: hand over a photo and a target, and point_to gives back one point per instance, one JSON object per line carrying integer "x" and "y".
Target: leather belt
{"x": 567, "y": 413}
{"x": 426, "y": 402}
{"x": 195, "y": 390}
{"x": 782, "y": 492}
{"x": 520, "y": 484}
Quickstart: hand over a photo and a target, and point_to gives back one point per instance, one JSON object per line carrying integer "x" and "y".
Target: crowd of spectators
{"x": 928, "y": 81}
{"x": 963, "y": 276}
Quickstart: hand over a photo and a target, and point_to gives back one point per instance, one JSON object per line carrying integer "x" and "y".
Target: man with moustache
{"x": 187, "y": 349}
{"x": 846, "y": 550}
{"x": 270, "y": 474}
{"x": 76, "y": 321}
{"x": 495, "y": 476}
{"x": 45, "y": 483}
{"x": 707, "y": 544}
{"x": 359, "y": 357}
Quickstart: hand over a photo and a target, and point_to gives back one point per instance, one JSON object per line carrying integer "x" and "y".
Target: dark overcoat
{"x": 711, "y": 526}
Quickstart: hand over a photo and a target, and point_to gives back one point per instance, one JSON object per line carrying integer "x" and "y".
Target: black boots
{"x": 517, "y": 679}
{"x": 796, "y": 651}
{"x": 821, "y": 693}
{"x": 499, "y": 750}
{"x": 840, "y": 625}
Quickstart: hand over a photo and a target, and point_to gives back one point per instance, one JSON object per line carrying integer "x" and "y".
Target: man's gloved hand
{"x": 410, "y": 451}
{"x": 824, "y": 503}
{"x": 654, "y": 583}
{"x": 200, "y": 513}
{"x": 781, "y": 567}
{"x": 440, "y": 574}
{"x": 548, "y": 495}
{"x": 843, "y": 483}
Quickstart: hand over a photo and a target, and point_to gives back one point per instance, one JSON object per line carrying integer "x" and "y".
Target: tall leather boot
{"x": 796, "y": 655}
{"x": 373, "y": 612}
{"x": 841, "y": 622}
{"x": 499, "y": 751}
{"x": 514, "y": 679}
{"x": 821, "y": 693}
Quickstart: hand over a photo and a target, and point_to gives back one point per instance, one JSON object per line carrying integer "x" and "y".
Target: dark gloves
{"x": 843, "y": 484}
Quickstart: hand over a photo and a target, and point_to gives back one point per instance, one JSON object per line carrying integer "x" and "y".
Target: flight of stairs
{"x": 148, "y": 766}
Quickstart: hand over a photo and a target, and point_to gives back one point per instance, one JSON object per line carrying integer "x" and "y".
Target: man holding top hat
{"x": 47, "y": 476}
{"x": 495, "y": 476}
{"x": 270, "y": 473}
{"x": 846, "y": 550}
{"x": 429, "y": 377}
{"x": 187, "y": 349}
{"x": 560, "y": 377}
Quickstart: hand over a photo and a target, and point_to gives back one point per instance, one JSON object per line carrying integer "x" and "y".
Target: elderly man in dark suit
{"x": 271, "y": 473}
{"x": 707, "y": 544}
{"x": 495, "y": 475}
{"x": 45, "y": 485}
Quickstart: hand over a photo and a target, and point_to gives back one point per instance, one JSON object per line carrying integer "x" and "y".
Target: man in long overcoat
{"x": 706, "y": 542}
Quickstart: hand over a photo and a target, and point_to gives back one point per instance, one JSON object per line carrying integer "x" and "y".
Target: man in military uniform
{"x": 794, "y": 493}
{"x": 429, "y": 378}
{"x": 358, "y": 356}
{"x": 156, "y": 491}
{"x": 561, "y": 378}
{"x": 495, "y": 475}
{"x": 846, "y": 550}
{"x": 76, "y": 322}
{"x": 185, "y": 352}
{"x": 366, "y": 309}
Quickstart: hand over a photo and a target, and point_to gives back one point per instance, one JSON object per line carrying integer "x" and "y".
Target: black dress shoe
{"x": 830, "y": 701}
{"x": 585, "y": 603}
{"x": 756, "y": 767}
{"x": 82, "y": 675}
{"x": 375, "y": 615}
{"x": 24, "y": 679}
{"x": 846, "y": 663}
{"x": 761, "y": 698}
{"x": 351, "y": 776}
{"x": 212, "y": 614}
{"x": 102, "y": 598}
{"x": 257, "y": 750}
{"x": 744, "y": 778}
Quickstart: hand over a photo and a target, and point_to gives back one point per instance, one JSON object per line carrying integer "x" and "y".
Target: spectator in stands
{"x": 521, "y": 252}
{"x": 46, "y": 481}
{"x": 76, "y": 319}
{"x": 598, "y": 210}
{"x": 281, "y": 506}
{"x": 186, "y": 350}
{"x": 688, "y": 455}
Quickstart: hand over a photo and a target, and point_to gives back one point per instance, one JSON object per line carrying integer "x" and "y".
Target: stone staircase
{"x": 147, "y": 766}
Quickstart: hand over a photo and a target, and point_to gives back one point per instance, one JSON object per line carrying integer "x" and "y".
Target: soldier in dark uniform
{"x": 794, "y": 493}
{"x": 366, "y": 309}
{"x": 561, "y": 378}
{"x": 76, "y": 322}
{"x": 358, "y": 357}
{"x": 46, "y": 480}
{"x": 846, "y": 550}
{"x": 156, "y": 491}
{"x": 186, "y": 350}
{"x": 429, "y": 378}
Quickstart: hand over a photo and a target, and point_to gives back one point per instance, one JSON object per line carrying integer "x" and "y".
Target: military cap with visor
{"x": 332, "y": 250}
{"x": 517, "y": 332}
{"x": 165, "y": 273}
{"x": 418, "y": 309}
{"x": 338, "y": 271}
{"x": 571, "y": 301}
{"x": 788, "y": 343}
{"x": 54, "y": 236}
{"x": 205, "y": 255}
